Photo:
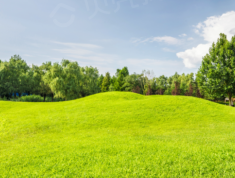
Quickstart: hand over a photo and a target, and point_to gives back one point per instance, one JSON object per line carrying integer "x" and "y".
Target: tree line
{"x": 68, "y": 80}
{"x": 214, "y": 80}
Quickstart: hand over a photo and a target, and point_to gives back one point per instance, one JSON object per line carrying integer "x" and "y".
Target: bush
{"x": 37, "y": 98}
{"x": 31, "y": 98}
{"x": 49, "y": 99}
{"x": 3, "y": 99}
{"x": 14, "y": 99}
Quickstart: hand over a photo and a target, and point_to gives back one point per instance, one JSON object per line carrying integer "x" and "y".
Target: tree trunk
{"x": 230, "y": 99}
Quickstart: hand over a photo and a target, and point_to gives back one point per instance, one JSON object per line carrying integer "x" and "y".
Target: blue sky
{"x": 165, "y": 36}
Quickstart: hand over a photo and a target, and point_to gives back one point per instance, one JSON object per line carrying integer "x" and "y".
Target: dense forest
{"x": 67, "y": 80}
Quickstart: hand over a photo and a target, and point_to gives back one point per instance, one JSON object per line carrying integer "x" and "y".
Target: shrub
{"x": 31, "y": 98}
{"x": 3, "y": 99}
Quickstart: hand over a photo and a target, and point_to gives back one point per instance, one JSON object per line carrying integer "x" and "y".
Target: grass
{"x": 117, "y": 134}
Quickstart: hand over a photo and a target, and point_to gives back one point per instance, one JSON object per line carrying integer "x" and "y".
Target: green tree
{"x": 100, "y": 81}
{"x": 161, "y": 83}
{"x": 216, "y": 75}
{"x": 52, "y": 78}
{"x": 44, "y": 88}
{"x": 106, "y": 82}
{"x": 15, "y": 75}
{"x": 5, "y": 79}
{"x": 131, "y": 82}
{"x": 65, "y": 79}
{"x": 90, "y": 81}
{"x": 147, "y": 82}
{"x": 121, "y": 74}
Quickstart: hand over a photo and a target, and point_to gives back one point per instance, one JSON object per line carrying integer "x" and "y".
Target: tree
{"x": 187, "y": 84}
{"x": 121, "y": 74}
{"x": 4, "y": 79}
{"x": 216, "y": 75}
{"x": 14, "y": 75}
{"x": 113, "y": 84}
{"x": 52, "y": 78}
{"x": 100, "y": 81}
{"x": 65, "y": 79}
{"x": 90, "y": 81}
{"x": 106, "y": 83}
{"x": 132, "y": 83}
{"x": 145, "y": 81}
{"x": 161, "y": 83}
{"x": 44, "y": 81}
{"x": 176, "y": 90}
{"x": 173, "y": 85}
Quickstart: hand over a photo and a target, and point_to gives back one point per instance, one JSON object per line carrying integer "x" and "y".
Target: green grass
{"x": 117, "y": 135}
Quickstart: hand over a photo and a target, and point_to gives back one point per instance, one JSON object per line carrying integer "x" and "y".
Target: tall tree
{"x": 5, "y": 79}
{"x": 100, "y": 81}
{"x": 121, "y": 74}
{"x": 132, "y": 83}
{"x": 44, "y": 87}
{"x": 90, "y": 81}
{"x": 65, "y": 79}
{"x": 53, "y": 77}
{"x": 216, "y": 75}
{"x": 17, "y": 69}
{"x": 106, "y": 82}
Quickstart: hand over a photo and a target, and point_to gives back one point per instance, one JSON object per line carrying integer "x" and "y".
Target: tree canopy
{"x": 216, "y": 76}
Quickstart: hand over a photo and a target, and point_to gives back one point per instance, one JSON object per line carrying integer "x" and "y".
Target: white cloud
{"x": 28, "y": 55}
{"x": 168, "y": 50}
{"x": 232, "y": 31}
{"x": 190, "y": 39}
{"x": 209, "y": 30}
{"x": 78, "y": 45}
{"x": 165, "y": 39}
{"x": 136, "y": 40}
{"x": 183, "y": 35}
{"x": 193, "y": 57}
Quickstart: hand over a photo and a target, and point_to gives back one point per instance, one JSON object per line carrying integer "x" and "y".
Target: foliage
{"x": 121, "y": 74}
{"x": 131, "y": 82}
{"x": 216, "y": 77}
{"x": 3, "y": 99}
{"x": 31, "y": 98}
{"x": 100, "y": 81}
{"x": 161, "y": 84}
{"x": 90, "y": 81}
{"x": 106, "y": 82}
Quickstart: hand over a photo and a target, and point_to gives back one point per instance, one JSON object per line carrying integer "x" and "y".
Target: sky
{"x": 163, "y": 36}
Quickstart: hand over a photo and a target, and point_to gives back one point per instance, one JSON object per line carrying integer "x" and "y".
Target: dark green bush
{"x": 3, "y": 98}
{"x": 31, "y": 98}
{"x": 36, "y": 98}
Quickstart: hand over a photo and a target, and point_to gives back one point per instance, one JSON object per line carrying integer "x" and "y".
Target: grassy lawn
{"x": 118, "y": 134}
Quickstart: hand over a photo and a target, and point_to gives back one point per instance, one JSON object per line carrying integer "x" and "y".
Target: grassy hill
{"x": 117, "y": 134}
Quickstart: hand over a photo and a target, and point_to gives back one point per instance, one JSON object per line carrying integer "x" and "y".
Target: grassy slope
{"x": 118, "y": 135}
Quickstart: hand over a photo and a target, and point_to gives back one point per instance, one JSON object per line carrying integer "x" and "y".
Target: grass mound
{"x": 117, "y": 134}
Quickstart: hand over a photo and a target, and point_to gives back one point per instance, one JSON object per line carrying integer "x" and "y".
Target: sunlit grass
{"x": 117, "y": 135}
